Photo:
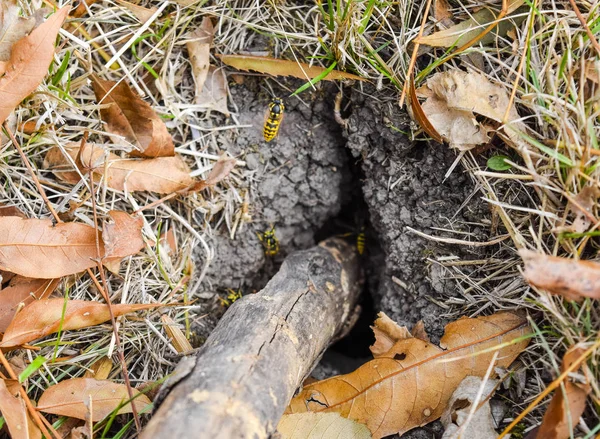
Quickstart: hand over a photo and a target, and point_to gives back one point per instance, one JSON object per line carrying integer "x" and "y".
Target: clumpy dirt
{"x": 404, "y": 186}
{"x": 298, "y": 182}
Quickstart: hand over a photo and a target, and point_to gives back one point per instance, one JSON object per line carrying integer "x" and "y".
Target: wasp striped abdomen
{"x": 274, "y": 117}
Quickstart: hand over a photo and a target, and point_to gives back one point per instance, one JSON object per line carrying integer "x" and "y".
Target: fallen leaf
{"x": 464, "y": 32}
{"x": 69, "y": 397}
{"x": 61, "y": 166}
{"x": 214, "y": 92}
{"x": 586, "y": 199}
{"x": 28, "y": 64}
{"x": 455, "y": 417}
{"x": 11, "y": 211}
{"x": 441, "y": 12}
{"x": 419, "y": 115}
{"x": 128, "y": 115}
{"x": 12, "y": 28}
{"x": 36, "y": 248}
{"x": 123, "y": 236}
{"x": 176, "y": 335}
{"x": 81, "y": 8}
{"x": 566, "y": 277}
{"x": 456, "y": 96}
{"x": 566, "y": 407}
{"x": 198, "y": 47}
{"x": 100, "y": 370}
{"x": 221, "y": 169}
{"x": 283, "y": 67}
{"x": 162, "y": 175}
{"x": 141, "y": 13}
{"x": 22, "y": 290}
{"x": 387, "y": 333}
{"x": 16, "y": 416}
{"x": 44, "y": 317}
{"x": 413, "y": 382}
{"x": 321, "y": 426}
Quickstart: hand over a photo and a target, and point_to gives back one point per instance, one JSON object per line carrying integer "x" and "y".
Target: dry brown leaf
{"x": 12, "y": 28}
{"x": 413, "y": 382}
{"x": 387, "y": 333}
{"x": 320, "y": 426}
{"x": 221, "y": 169}
{"x": 180, "y": 343}
{"x": 586, "y": 200}
{"x": 566, "y": 407}
{"x": 441, "y": 12}
{"x": 60, "y": 165}
{"x": 198, "y": 48}
{"x": 44, "y": 317}
{"x": 283, "y": 67}
{"x": 128, "y": 115}
{"x": 567, "y": 277}
{"x": 456, "y": 96}
{"x": 81, "y": 9}
{"x": 36, "y": 248}
{"x": 100, "y": 370}
{"x": 455, "y": 418}
{"x": 69, "y": 398}
{"x": 16, "y": 416}
{"x": 123, "y": 235}
{"x": 419, "y": 331}
{"x": 22, "y": 290}
{"x": 28, "y": 64}
{"x": 141, "y": 13}
{"x": 419, "y": 115}
{"x": 163, "y": 175}
{"x": 464, "y": 32}
{"x": 214, "y": 92}
{"x": 11, "y": 211}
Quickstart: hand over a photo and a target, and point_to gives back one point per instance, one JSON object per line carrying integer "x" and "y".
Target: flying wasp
{"x": 269, "y": 241}
{"x": 273, "y": 119}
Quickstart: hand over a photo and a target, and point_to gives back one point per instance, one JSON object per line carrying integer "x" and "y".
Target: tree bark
{"x": 262, "y": 349}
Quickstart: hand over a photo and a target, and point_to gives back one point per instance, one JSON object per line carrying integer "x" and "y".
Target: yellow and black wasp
{"x": 269, "y": 242}
{"x": 273, "y": 119}
{"x": 360, "y": 241}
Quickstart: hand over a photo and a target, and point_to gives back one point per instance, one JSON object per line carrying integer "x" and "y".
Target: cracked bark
{"x": 262, "y": 349}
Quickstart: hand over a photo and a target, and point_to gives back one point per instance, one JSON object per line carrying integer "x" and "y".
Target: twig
{"x": 458, "y": 241}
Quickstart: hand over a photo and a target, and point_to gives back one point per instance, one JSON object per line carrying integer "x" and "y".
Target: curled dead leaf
{"x": 427, "y": 375}
{"x": 566, "y": 277}
{"x": 582, "y": 208}
{"x": 13, "y": 27}
{"x": 69, "y": 398}
{"x": 44, "y": 317}
{"x": 128, "y": 115}
{"x": 213, "y": 95}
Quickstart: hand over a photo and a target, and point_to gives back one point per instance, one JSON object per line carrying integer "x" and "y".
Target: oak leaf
{"x": 22, "y": 290}
{"x": 71, "y": 398}
{"x": 411, "y": 384}
{"x": 127, "y": 114}
{"x": 566, "y": 406}
{"x": 570, "y": 278}
{"x": 16, "y": 416}
{"x": 162, "y": 175}
{"x": 44, "y": 317}
{"x": 28, "y": 63}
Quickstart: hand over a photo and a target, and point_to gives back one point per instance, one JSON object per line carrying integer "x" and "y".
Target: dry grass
{"x": 545, "y": 62}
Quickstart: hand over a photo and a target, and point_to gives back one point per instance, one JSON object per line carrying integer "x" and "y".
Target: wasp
{"x": 269, "y": 242}
{"x": 273, "y": 119}
{"x": 360, "y": 241}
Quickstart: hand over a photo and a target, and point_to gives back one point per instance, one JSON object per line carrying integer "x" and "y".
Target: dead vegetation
{"x": 147, "y": 91}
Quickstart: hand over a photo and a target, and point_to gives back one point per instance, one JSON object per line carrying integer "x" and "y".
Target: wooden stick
{"x": 262, "y": 349}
